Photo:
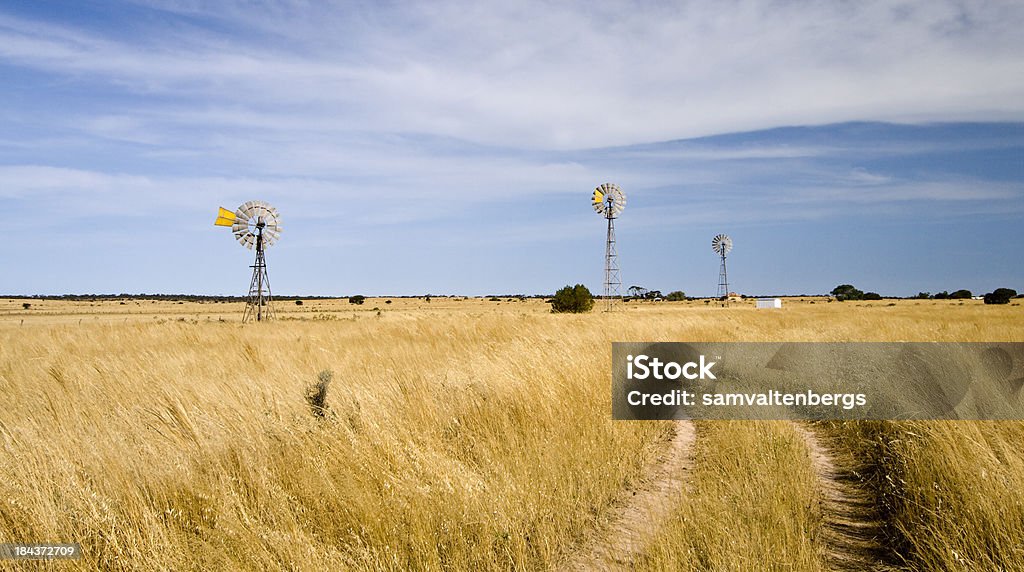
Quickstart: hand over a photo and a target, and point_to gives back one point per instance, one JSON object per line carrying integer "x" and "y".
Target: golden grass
{"x": 953, "y": 490}
{"x": 753, "y": 504}
{"x": 182, "y": 446}
{"x": 462, "y": 435}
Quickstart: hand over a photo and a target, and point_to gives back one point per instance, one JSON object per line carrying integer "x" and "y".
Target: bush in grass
{"x": 1000, "y": 296}
{"x": 572, "y": 299}
{"x": 847, "y": 292}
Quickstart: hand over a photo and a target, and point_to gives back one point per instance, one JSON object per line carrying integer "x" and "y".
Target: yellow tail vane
{"x": 598, "y": 196}
{"x": 225, "y": 217}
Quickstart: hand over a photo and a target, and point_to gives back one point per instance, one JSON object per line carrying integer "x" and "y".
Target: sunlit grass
{"x": 472, "y": 436}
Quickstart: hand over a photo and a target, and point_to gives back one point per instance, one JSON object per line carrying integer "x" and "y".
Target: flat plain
{"x": 472, "y": 434}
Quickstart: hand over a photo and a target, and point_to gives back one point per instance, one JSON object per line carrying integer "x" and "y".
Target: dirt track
{"x": 633, "y": 524}
{"x": 852, "y": 536}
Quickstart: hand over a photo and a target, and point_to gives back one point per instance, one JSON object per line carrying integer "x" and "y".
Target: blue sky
{"x": 451, "y": 147}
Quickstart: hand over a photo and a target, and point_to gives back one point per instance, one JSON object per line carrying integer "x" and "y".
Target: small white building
{"x": 769, "y": 303}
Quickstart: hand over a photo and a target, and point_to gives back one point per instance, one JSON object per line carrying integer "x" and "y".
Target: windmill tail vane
{"x": 225, "y": 217}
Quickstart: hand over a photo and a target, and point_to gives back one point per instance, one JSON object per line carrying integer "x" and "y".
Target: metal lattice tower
{"x": 255, "y": 224}
{"x": 609, "y": 201}
{"x": 722, "y": 244}
{"x": 612, "y": 278}
{"x": 259, "y": 305}
{"x": 723, "y": 280}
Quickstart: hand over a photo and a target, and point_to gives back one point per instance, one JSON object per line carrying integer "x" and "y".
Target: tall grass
{"x": 753, "y": 504}
{"x": 455, "y": 445}
{"x": 475, "y": 439}
{"x": 953, "y": 491}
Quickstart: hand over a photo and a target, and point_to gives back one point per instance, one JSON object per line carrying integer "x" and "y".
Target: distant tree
{"x": 941, "y": 295}
{"x": 961, "y": 295}
{"x": 298, "y": 302}
{"x": 923, "y": 295}
{"x": 652, "y": 294}
{"x": 573, "y": 299}
{"x": 637, "y": 291}
{"x": 677, "y": 296}
{"x": 847, "y": 292}
{"x": 1000, "y": 296}
{"x": 872, "y": 296}
{"x": 358, "y": 299}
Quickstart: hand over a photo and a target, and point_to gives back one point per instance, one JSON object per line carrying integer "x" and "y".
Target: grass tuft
{"x": 316, "y": 394}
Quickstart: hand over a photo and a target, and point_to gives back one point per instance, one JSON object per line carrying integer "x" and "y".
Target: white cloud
{"x": 559, "y": 75}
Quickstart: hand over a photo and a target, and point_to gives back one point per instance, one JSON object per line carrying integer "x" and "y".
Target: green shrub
{"x": 847, "y": 292}
{"x": 573, "y": 299}
{"x": 1000, "y": 296}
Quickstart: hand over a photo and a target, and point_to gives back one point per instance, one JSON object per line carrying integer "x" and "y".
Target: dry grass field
{"x": 460, "y": 434}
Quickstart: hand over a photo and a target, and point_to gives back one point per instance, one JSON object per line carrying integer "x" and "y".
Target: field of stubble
{"x": 460, "y": 435}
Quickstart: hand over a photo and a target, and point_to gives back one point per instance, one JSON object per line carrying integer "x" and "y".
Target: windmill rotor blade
{"x": 245, "y": 220}
{"x": 261, "y": 214}
{"x": 608, "y": 199}
{"x": 721, "y": 244}
{"x": 249, "y": 209}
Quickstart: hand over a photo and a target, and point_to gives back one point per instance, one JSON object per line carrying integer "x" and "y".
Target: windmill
{"x": 722, "y": 244}
{"x": 609, "y": 201}
{"x": 255, "y": 224}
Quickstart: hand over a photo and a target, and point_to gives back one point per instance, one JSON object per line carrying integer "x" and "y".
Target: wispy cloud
{"x": 561, "y": 76}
